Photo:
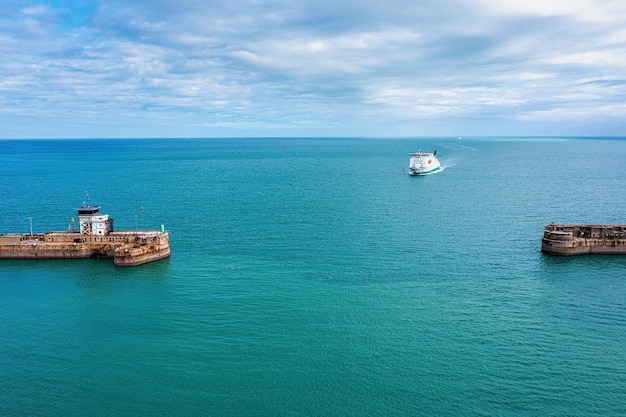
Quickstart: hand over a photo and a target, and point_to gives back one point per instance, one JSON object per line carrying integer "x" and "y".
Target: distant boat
{"x": 423, "y": 163}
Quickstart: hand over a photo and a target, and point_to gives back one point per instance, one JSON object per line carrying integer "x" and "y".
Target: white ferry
{"x": 423, "y": 163}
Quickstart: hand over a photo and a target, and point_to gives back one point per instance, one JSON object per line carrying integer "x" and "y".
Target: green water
{"x": 314, "y": 277}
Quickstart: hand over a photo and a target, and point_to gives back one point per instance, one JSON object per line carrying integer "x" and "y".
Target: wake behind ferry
{"x": 423, "y": 163}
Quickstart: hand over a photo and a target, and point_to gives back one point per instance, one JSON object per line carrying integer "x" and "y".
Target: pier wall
{"x": 581, "y": 239}
{"x": 133, "y": 256}
{"x": 127, "y": 248}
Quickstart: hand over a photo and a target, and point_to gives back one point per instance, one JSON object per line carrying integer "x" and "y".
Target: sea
{"x": 314, "y": 277}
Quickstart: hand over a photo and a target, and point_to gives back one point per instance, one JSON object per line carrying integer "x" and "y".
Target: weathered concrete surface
{"x": 581, "y": 239}
{"x": 127, "y": 248}
{"x": 152, "y": 250}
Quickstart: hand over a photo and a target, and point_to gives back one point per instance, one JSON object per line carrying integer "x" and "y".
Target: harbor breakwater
{"x": 581, "y": 239}
{"x": 94, "y": 237}
{"x": 127, "y": 248}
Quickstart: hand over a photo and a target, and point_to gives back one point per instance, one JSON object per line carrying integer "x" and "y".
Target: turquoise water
{"x": 314, "y": 277}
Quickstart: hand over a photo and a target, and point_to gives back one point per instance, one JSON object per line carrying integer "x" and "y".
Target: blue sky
{"x": 179, "y": 68}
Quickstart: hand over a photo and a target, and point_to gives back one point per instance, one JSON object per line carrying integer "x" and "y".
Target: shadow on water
{"x": 613, "y": 264}
{"x": 85, "y": 272}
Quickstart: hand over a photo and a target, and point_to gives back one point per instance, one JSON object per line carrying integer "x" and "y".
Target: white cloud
{"x": 581, "y": 10}
{"x": 344, "y": 64}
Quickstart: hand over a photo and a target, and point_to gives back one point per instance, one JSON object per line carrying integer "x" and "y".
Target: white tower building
{"x": 92, "y": 222}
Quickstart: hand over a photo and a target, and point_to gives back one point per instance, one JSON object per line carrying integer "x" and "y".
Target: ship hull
{"x": 415, "y": 172}
{"x": 423, "y": 163}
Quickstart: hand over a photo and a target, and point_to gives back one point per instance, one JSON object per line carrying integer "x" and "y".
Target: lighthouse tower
{"x": 92, "y": 222}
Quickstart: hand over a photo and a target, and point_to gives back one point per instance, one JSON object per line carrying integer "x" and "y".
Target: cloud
{"x": 580, "y": 10}
{"x": 188, "y": 68}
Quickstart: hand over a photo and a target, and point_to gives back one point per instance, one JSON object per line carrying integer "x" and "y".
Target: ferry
{"x": 423, "y": 163}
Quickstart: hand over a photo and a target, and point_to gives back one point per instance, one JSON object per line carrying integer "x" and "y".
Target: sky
{"x": 323, "y": 68}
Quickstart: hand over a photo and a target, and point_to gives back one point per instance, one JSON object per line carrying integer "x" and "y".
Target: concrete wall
{"x": 133, "y": 248}
{"x": 579, "y": 239}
